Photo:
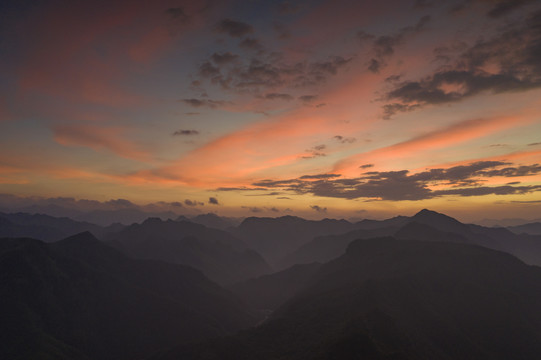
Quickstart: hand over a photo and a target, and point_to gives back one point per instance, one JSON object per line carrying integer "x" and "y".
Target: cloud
{"x": 512, "y": 56}
{"x": 99, "y": 138}
{"x": 307, "y": 98}
{"x": 316, "y": 151}
{"x": 185, "y": 132}
{"x": 224, "y": 58}
{"x": 264, "y": 71}
{"x": 234, "y": 28}
{"x": 253, "y": 209}
{"x": 278, "y": 96}
{"x": 193, "y": 202}
{"x": 384, "y": 46}
{"x": 459, "y": 180}
{"x": 178, "y": 14}
{"x": 318, "y": 208}
{"x": 504, "y": 7}
{"x": 251, "y": 44}
{"x": 534, "y": 144}
{"x": 366, "y": 166}
{"x": 213, "y": 201}
{"x": 198, "y": 103}
{"x": 68, "y": 205}
{"x": 344, "y": 140}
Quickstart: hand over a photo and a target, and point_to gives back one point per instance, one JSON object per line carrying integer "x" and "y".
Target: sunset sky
{"x": 342, "y": 109}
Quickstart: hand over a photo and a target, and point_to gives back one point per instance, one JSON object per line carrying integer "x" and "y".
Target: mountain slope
{"x": 275, "y": 238}
{"x": 44, "y": 227}
{"x": 79, "y": 298}
{"x": 221, "y": 256}
{"x": 400, "y": 299}
{"x": 267, "y": 292}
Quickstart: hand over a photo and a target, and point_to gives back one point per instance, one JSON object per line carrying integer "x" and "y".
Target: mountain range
{"x": 81, "y": 299}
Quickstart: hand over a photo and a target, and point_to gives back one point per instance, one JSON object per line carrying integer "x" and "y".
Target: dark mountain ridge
{"x": 220, "y": 255}
{"x": 79, "y": 299}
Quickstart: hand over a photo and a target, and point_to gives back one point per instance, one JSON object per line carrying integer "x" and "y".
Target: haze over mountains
{"x": 425, "y": 286}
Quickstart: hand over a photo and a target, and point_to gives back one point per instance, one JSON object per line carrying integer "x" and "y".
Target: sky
{"x": 341, "y": 109}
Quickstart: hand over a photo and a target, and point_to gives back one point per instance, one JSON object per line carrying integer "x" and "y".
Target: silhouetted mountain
{"x": 400, "y": 299}
{"x": 325, "y": 248}
{"x": 425, "y": 225}
{"x": 531, "y": 228}
{"x": 418, "y": 231}
{"x": 123, "y": 216}
{"x": 45, "y": 227}
{"x": 275, "y": 238}
{"x": 220, "y": 255}
{"x": 80, "y": 299}
{"x": 395, "y": 222}
{"x": 215, "y": 221}
{"x": 271, "y": 291}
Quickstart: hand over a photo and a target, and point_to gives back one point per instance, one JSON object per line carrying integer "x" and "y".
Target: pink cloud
{"x": 99, "y": 139}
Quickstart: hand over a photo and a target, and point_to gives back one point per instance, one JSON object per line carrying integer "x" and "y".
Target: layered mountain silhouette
{"x": 218, "y": 254}
{"x": 425, "y": 225}
{"x": 81, "y": 299}
{"x": 47, "y": 228}
{"x": 275, "y": 238}
{"x": 399, "y": 299}
{"x": 530, "y": 228}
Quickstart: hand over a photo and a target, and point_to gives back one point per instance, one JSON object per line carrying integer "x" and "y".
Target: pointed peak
{"x": 152, "y": 220}
{"x": 85, "y": 236}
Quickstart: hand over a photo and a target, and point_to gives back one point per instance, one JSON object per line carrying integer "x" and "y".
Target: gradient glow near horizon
{"x": 311, "y": 108}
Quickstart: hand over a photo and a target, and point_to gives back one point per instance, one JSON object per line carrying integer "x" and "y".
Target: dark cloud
{"x": 344, "y": 140}
{"x": 525, "y": 170}
{"x": 198, "y": 103}
{"x": 307, "y": 98}
{"x": 234, "y": 28}
{"x": 366, "y": 166}
{"x": 185, "y": 132}
{"x": 506, "y": 6}
{"x": 178, "y": 14}
{"x": 266, "y": 71}
{"x": 331, "y": 66}
{"x": 288, "y": 8}
{"x": 281, "y": 31}
{"x": 253, "y": 209}
{"x": 223, "y": 58}
{"x": 384, "y": 46}
{"x": 461, "y": 180}
{"x": 193, "y": 202}
{"x": 515, "y": 52}
{"x": 391, "y": 109}
{"x": 251, "y": 44}
{"x": 278, "y": 96}
{"x": 191, "y": 113}
{"x": 283, "y": 198}
{"x": 121, "y": 203}
{"x": 534, "y": 144}
{"x": 316, "y": 151}
{"x": 318, "y": 208}
{"x": 213, "y": 201}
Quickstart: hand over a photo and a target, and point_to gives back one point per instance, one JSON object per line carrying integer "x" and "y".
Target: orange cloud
{"x": 99, "y": 138}
{"x": 449, "y": 136}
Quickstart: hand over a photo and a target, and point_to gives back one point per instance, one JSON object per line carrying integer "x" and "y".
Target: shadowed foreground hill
{"x": 218, "y": 254}
{"x": 80, "y": 299}
{"x": 400, "y": 299}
